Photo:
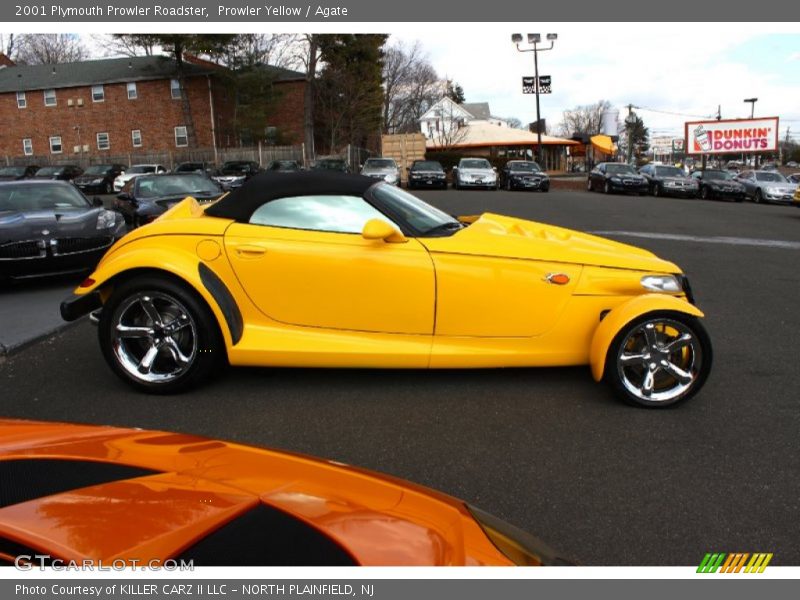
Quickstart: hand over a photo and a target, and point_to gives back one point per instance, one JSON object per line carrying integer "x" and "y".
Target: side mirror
{"x": 97, "y": 201}
{"x": 377, "y": 229}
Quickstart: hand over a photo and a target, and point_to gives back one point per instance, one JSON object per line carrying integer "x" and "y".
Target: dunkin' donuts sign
{"x": 735, "y": 136}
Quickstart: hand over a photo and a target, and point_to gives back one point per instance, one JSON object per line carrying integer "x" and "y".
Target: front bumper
{"x": 48, "y": 263}
{"x": 529, "y": 183}
{"x": 485, "y": 183}
{"x": 427, "y": 182}
{"x": 680, "y": 192}
{"x": 75, "y": 306}
{"x": 782, "y": 198}
{"x": 621, "y": 186}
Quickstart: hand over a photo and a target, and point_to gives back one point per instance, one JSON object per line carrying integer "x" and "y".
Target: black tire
{"x": 108, "y": 187}
{"x": 657, "y": 191}
{"x": 705, "y": 194}
{"x": 196, "y": 336}
{"x": 606, "y": 188}
{"x": 589, "y": 185}
{"x": 758, "y": 197}
{"x": 509, "y": 187}
{"x": 698, "y": 350}
{"x": 455, "y": 184}
{"x": 546, "y": 188}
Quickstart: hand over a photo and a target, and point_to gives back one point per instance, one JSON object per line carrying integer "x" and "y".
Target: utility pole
{"x": 630, "y": 120}
{"x": 719, "y": 112}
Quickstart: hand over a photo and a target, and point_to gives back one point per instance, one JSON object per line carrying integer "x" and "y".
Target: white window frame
{"x": 108, "y": 141}
{"x": 55, "y": 99}
{"x": 22, "y": 101}
{"x": 60, "y": 144}
{"x": 134, "y": 135}
{"x": 27, "y": 146}
{"x": 185, "y": 136}
{"x": 102, "y": 93}
{"x": 131, "y": 87}
{"x": 175, "y": 86}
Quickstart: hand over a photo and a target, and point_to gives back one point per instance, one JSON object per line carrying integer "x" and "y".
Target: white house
{"x": 442, "y": 120}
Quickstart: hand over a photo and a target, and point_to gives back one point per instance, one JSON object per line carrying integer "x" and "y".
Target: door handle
{"x": 250, "y": 251}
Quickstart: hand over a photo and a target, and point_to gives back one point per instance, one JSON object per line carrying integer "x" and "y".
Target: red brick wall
{"x": 288, "y": 114}
{"x": 154, "y": 112}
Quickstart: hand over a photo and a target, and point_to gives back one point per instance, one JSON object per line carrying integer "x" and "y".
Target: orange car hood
{"x": 509, "y": 237}
{"x": 202, "y": 484}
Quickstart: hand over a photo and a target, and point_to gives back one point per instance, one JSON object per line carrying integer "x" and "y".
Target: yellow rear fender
{"x": 623, "y": 314}
{"x": 181, "y": 265}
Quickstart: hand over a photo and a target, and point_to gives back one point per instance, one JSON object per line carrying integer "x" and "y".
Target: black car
{"x": 426, "y": 173}
{"x": 60, "y": 172}
{"x": 50, "y": 227}
{"x": 234, "y": 173}
{"x": 15, "y": 173}
{"x": 666, "y": 180}
{"x": 284, "y": 166}
{"x": 99, "y": 178}
{"x": 611, "y": 177}
{"x": 145, "y": 198}
{"x": 524, "y": 175}
{"x": 331, "y": 164}
{"x": 195, "y": 167}
{"x": 718, "y": 183}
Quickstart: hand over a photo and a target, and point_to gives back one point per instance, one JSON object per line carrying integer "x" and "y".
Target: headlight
{"x": 97, "y": 181}
{"x": 106, "y": 219}
{"x": 616, "y": 179}
{"x": 390, "y": 178}
{"x": 773, "y": 190}
{"x": 661, "y": 283}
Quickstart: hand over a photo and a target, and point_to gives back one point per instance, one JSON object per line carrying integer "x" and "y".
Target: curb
{"x": 8, "y": 351}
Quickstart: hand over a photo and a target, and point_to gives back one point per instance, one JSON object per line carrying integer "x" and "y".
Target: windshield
{"x": 161, "y": 186}
{"x": 720, "y": 175}
{"x": 142, "y": 169}
{"x": 773, "y": 177}
{"x": 16, "y": 171}
{"x": 329, "y": 164}
{"x": 283, "y": 165}
{"x": 49, "y": 171}
{"x": 615, "y": 169}
{"x": 421, "y": 216}
{"x": 524, "y": 165}
{"x": 669, "y": 172}
{"x": 474, "y": 163}
{"x": 380, "y": 163}
{"x": 426, "y": 165}
{"x": 29, "y": 197}
{"x": 189, "y": 167}
{"x": 97, "y": 170}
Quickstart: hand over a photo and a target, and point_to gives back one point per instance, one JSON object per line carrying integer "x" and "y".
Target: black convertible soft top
{"x": 241, "y": 203}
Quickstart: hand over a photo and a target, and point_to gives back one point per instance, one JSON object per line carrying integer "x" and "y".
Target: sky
{"x": 673, "y": 72}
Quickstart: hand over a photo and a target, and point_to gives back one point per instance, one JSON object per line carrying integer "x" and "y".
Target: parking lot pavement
{"x": 546, "y": 449}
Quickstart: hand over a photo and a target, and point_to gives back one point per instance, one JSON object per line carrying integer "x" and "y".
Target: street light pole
{"x": 535, "y": 39}
{"x": 752, "y": 102}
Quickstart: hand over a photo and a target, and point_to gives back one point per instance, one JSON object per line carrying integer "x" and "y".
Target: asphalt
{"x": 546, "y": 449}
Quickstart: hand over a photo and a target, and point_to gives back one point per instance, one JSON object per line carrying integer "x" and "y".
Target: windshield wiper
{"x": 449, "y": 226}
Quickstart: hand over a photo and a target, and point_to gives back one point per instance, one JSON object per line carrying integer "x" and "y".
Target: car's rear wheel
{"x": 659, "y": 359}
{"x": 159, "y": 336}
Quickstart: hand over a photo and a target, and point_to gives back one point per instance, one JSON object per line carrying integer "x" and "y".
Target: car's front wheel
{"x": 659, "y": 359}
{"x": 589, "y": 186}
{"x": 607, "y": 187}
{"x": 159, "y": 336}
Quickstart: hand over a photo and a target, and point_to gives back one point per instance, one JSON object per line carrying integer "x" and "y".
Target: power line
{"x": 676, "y": 114}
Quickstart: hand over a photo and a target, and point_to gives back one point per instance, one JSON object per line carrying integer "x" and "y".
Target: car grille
{"x": 26, "y": 249}
{"x": 64, "y": 246}
{"x": 630, "y": 182}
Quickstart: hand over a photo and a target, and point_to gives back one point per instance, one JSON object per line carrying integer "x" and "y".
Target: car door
{"x": 303, "y": 261}
{"x": 747, "y": 179}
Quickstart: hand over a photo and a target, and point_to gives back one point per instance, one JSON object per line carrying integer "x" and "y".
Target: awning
{"x": 603, "y": 144}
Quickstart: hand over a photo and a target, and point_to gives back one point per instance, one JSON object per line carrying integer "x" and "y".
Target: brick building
{"x": 84, "y": 111}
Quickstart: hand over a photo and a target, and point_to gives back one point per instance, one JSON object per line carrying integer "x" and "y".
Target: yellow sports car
{"x": 331, "y": 270}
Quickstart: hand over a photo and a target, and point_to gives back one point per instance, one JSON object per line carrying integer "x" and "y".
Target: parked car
{"x": 524, "y": 175}
{"x": 426, "y": 174}
{"x": 195, "y": 166}
{"x": 284, "y": 166}
{"x": 792, "y": 164}
{"x": 664, "y": 180}
{"x": 135, "y": 171}
{"x": 770, "y": 166}
{"x": 99, "y": 178}
{"x": 234, "y": 173}
{"x": 50, "y": 227}
{"x": 15, "y": 173}
{"x": 716, "y": 183}
{"x": 60, "y": 172}
{"x": 369, "y": 275}
{"x": 382, "y": 168}
{"x": 331, "y": 164}
{"x": 612, "y": 177}
{"x": 474, "y": 173}
{"x": 793, "y": 178}
{"x": 766, "y": 186}
{"x": 167, "y": 496}
{"x": 147, "y": 197}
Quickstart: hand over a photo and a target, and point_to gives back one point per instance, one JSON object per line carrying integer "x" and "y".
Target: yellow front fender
{"x": 623, "y": 314}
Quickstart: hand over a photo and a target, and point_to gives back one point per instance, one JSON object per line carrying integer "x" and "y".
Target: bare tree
{"x": 254, "y": 49}
{"x": 583, "y": 119}
{"x": 49, "y": 48}
{"x": 8, "y": 44}
{"x": 411, "y": 86}
{"x": 118, "y": 45}
{"x": 514, "y": 123}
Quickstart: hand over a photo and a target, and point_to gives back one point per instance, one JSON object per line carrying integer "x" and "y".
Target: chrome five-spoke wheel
{"x": 660, "y": 360}
{"x": 155, "y": 338}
